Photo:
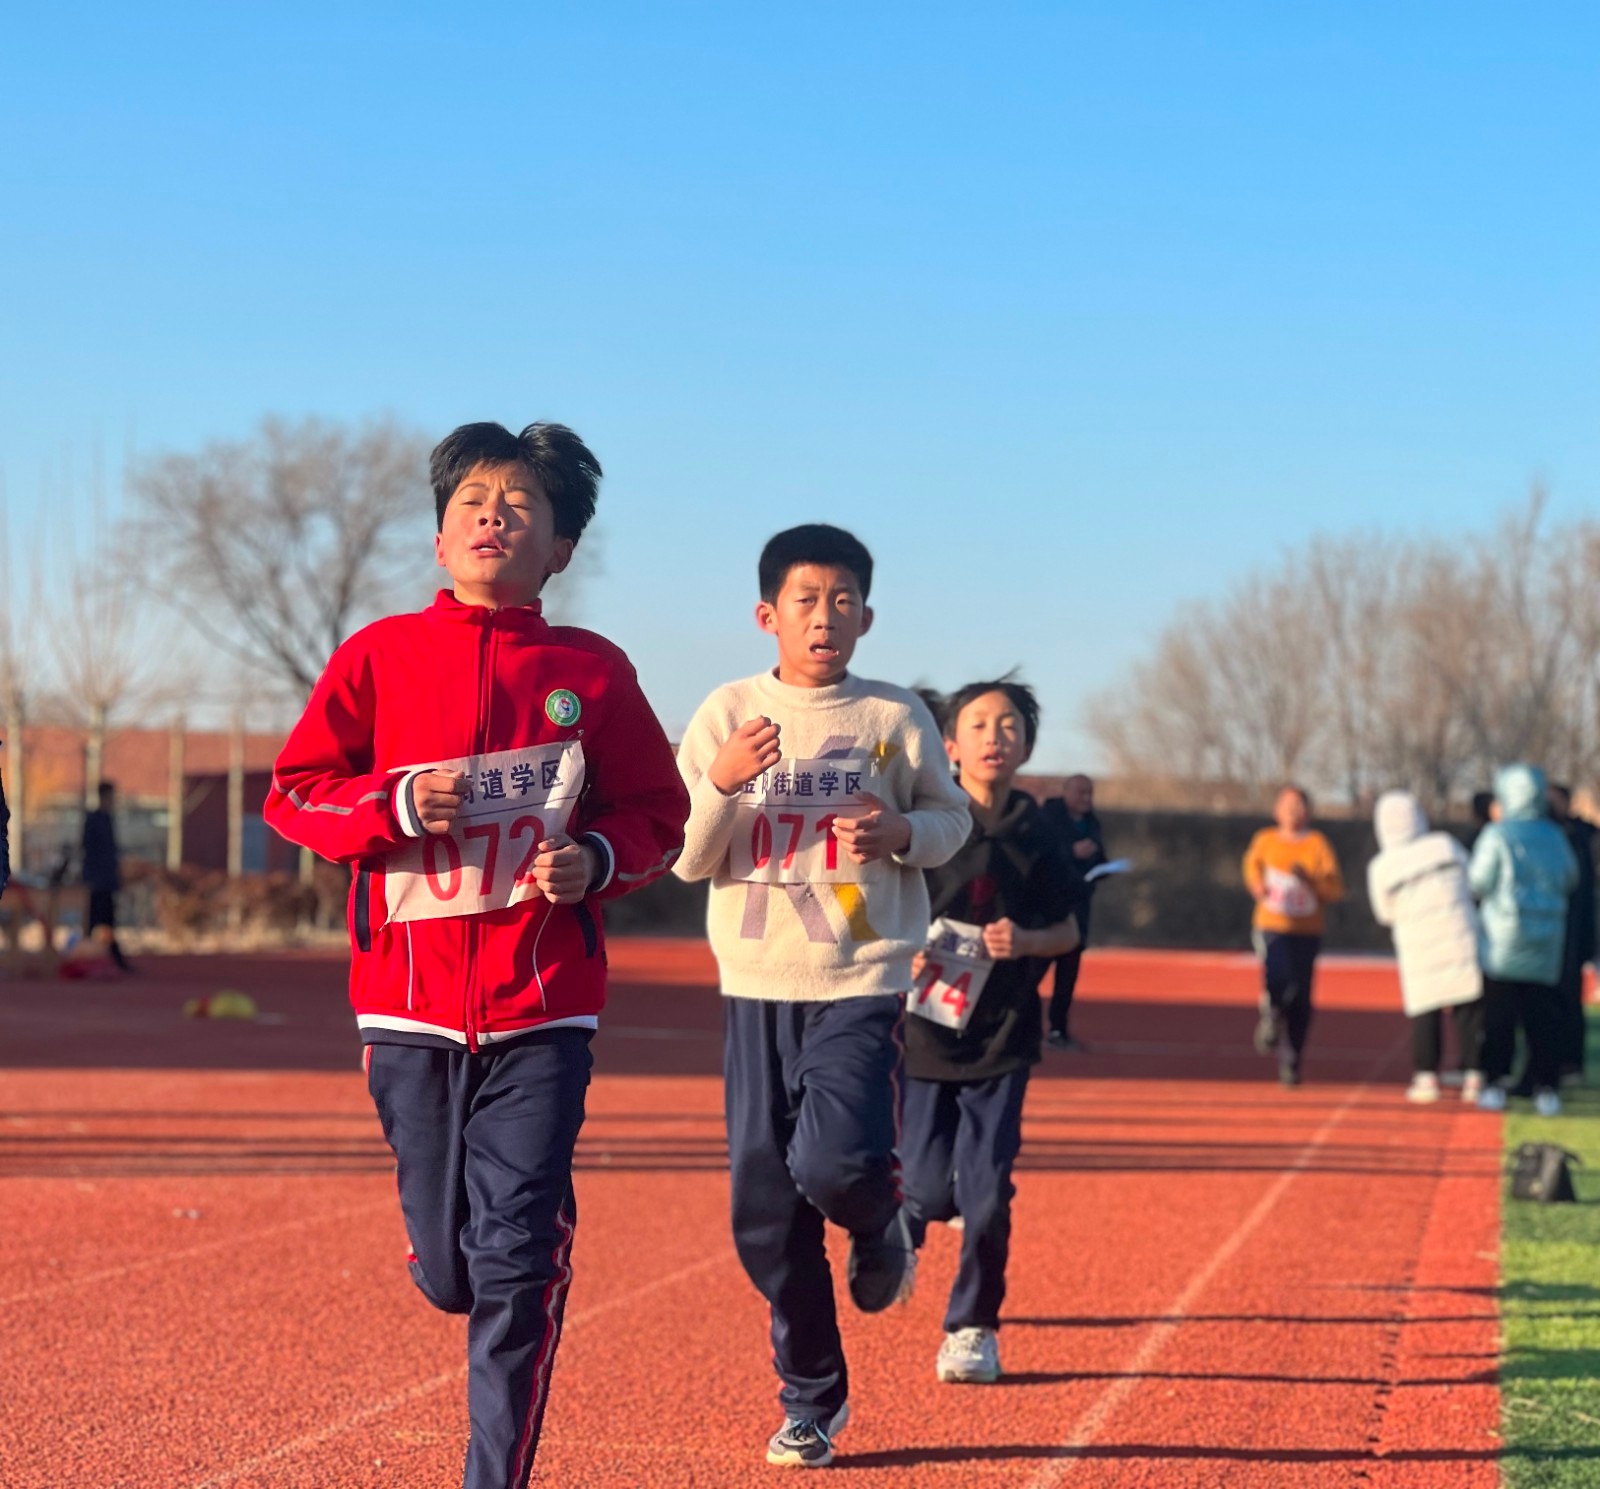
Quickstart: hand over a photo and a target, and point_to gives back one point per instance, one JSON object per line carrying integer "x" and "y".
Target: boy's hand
{"x": 437, "y": 795}
{"x": 918, "y": 962}
{"x": 749, "y": 750}
{"x": 1005, "y": 939}
{"x": 878, "y": 832}
{"x": 563, "y": 870}
{"x": 1084, "y": 848}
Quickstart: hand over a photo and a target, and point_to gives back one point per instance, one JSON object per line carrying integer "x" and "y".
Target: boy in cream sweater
{"x": 817, "y": 799}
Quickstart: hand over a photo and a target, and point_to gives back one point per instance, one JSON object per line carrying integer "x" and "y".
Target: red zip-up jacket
{"x": 450, "y": 943}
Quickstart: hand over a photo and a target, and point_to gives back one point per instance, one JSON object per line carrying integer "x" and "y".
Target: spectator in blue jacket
{"x": 1523, "y": 872}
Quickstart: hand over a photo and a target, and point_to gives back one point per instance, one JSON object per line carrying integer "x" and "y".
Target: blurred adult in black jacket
{"x": 1580, "y": 948}
{"x": 1070, "y": 818}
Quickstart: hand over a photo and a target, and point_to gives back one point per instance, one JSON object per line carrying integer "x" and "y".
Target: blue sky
{"x": 1072, "y": 311}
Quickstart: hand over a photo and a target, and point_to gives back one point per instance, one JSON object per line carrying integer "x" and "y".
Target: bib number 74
{"x": 955, "y": 968}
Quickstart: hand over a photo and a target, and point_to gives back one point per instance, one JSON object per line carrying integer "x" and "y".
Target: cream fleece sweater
{"x": 790, "y": 918}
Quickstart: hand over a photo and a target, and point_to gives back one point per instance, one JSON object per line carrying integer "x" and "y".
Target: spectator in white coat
{"x": 1418, "y": 886}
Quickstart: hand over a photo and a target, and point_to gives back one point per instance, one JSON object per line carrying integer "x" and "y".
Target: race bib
{"x": 515, "y": 800}
{"x": 784, "y": 834}
{"x": 955, "y": 967}
{"x": 1289, "y": 895}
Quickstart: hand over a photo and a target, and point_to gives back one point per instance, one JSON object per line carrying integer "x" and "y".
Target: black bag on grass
{"x": 1540, "y": 1171}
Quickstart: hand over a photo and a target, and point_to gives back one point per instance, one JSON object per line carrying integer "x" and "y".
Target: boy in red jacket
{"x": 488, "y": 775}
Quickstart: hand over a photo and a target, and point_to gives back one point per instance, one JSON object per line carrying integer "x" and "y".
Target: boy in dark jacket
{"x": 1001, "y": 907}
{"x": 489, "y": 777}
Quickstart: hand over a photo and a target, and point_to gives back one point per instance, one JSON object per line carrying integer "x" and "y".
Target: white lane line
{"x": 1089, "y": 1425}
{"x": 448, "y": 1378}
{"x": 229, "y": 1243}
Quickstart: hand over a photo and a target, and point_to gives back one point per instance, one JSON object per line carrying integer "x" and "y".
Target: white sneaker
{"x": 1424, "y": 1088}
{"x": 1472, "y": 1085}
{"x": 1547, "y": 1104}
{"x": 1492, "y": 1099}
{"x": 969, "y": 1357}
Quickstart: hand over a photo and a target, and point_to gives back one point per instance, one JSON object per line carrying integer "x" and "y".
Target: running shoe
{"x": 1424, "y": 1088}
{"x": 882, "y": 1268}
{"x": 1288, "y": 1074}
{"x": 1472, "y": 1085}
{"x": 1267, "y": 1030}
{"x": 1547, "y": 1103}
{"x": 1492, "y": 1099}
{"x": 969, "y": 1357}
{"x": 806, "y": 1442}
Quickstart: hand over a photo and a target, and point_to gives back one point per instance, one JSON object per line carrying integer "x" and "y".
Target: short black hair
{"x": 1299, "y": 790}
{"x": 1022, "y": 699}
{"x": 1481, "y": 802}
{"x": 812, "y": 543}
{"x": 105, "y": 789}
{"x": 563, "y": 465}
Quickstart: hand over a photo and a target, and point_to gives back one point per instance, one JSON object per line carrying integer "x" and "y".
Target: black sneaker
{"x": 804, "y": 1442}
{"x": 1057, "y": 1039}
{"x": 1288, "y": 1074}
{"x": 883, "y": 1268}
{"x": 1267, "y": 1030}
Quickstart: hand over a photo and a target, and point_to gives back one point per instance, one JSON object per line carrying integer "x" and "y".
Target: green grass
{"x": 1550, "y": 1304}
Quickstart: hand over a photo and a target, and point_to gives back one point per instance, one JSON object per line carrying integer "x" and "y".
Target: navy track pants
{"x": 1288, "y": 968}
{"x": 812, "y": 1104}
{"x": 961, "y": 1140}
{"x": 484, "y": 1143}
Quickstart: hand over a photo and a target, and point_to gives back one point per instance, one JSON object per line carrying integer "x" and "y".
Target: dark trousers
{"x": 812, "y": 1104}
{"x": 961, "y": 1140}
{"x": 1066, "y": 984}
{"x": 484, "y": 1143}
{"x": 1288, "y": 963}
{"x": 1534, "y": 1006}
{"x": 103, "y": 912}
{"x": 1574, "y": 1033}
{"x": 1427, "y": 1037}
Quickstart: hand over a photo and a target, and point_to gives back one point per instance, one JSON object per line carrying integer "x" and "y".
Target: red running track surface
{"x": 1213, "y": 1281}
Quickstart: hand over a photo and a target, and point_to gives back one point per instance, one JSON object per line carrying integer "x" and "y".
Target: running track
{"x": 1213, "y": 1282}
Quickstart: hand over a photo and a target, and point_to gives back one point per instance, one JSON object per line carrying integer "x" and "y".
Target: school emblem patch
{"x": 562, "y": 708}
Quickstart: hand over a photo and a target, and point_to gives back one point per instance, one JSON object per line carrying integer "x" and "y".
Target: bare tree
{"x": 1360, "y": 664}
{"x": 277, "y": 547}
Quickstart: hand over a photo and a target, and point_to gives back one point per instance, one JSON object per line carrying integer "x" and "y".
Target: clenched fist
{"x": 876, "y": 831}
{"x": 437, "y": 796}
{"x": 563, "y": 870}
{"x": 751, "y": 749}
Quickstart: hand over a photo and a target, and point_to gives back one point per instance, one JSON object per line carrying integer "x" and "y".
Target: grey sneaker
{"x": 882, "y": 1268}
{"x": 804, "y": 1442}
{"x": 969, "y": 1357}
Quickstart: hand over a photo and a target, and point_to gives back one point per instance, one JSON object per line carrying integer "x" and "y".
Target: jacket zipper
{"x": 472, "y": 990}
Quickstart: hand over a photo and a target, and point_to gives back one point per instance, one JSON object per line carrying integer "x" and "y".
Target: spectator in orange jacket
{"x": 1292, "y": 873}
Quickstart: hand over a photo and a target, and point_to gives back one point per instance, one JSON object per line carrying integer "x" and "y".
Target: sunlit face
{"x": 498, "y": 538}
{"x": 818, "y": 617}
{"x": 1290, "y": 811}
{"x": 991, "y": 740}
{"x": 1078, "y": 793}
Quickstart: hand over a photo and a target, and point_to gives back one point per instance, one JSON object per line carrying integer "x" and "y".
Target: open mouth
{"x": 489, "y": 549}
{"x": 824, "y": 651}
